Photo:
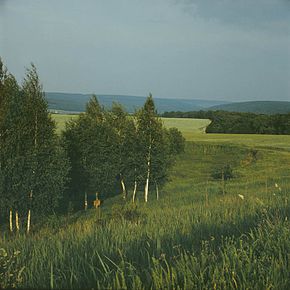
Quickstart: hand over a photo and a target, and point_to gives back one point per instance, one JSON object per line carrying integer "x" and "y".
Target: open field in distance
{"x": 60, "y": 121}
{"x": 185, "y": 125}
{"x": 194, "y": 130}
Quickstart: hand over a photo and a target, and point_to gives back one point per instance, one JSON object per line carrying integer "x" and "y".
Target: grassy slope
{"x": 193, "y": 237}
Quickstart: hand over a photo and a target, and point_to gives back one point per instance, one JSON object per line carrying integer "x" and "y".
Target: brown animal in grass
{"x": 96, "y": 203}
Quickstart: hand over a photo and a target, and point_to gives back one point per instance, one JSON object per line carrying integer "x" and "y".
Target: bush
{"x": 224, "y": 172}
{"x": 251, "y": 157}
{"x": 128, "y": 212}
{"x": 10, "y": 272}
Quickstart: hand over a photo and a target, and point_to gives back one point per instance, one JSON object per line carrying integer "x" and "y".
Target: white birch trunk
{"x": 29, "y": 211}
{"x": 148, "y": 172}
{"x": 123, "y": 188}
{"x": 86, "y": 201}
{"x": 10, "y": 221}
{"x": 147, "y": 183}
{"x": 28, "y": 221}
{"x": 157, "y": 191}
{"x": 17, "y": 221}
{"x": 134, "y": 192}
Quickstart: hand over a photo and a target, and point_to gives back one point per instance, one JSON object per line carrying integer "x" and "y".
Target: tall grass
{"x": 192, "y": 238}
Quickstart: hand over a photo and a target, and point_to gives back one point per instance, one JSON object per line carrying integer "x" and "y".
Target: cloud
{"x": 247, "y": 14}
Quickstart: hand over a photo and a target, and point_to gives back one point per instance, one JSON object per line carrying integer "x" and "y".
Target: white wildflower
{"x": 241, "y": 196}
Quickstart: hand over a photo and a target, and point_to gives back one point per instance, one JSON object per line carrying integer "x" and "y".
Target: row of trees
{"x": 107, "y": 148}
{"x": 239, "y": 123}
{"x": 99, "y": 152}
{"x": 33, "y": 167}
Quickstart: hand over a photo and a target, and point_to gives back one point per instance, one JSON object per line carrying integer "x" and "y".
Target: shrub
{"x": 251, "y": 157}
{"x": 10, "y": 272}
{"x": 128, "y": 212}
{"x": 224, "y": 172}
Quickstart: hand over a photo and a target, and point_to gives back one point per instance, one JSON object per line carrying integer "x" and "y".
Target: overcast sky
{"x": 232, "y": 50}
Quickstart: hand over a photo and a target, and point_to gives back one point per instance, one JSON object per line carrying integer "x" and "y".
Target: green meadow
{"x": 204, "y": 232}
{"x": 193, "y": 130}
{"x": 60, "y": 121}
{"x": 187, "y": 126}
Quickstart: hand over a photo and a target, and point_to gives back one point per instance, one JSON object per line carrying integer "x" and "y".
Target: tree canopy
{"x": 239, "y": 123}
{"x": 33, "y": 167}
{"x": 110, "y": 151}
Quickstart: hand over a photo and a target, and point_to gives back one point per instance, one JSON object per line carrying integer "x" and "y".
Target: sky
{"x": 234, "y": 50}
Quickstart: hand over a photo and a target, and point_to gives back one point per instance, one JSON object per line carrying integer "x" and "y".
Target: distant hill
{"x": 77, "y": 102}
{"x": 258, "y": 107}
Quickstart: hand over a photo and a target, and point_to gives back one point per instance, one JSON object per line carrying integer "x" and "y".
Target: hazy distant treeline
{"x": 239, "y": 123}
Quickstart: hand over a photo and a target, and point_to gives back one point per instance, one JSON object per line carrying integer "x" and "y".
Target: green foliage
{"x": 108, "y": 149}
{"x": 89, "y": 142}
{"x": 31, "y": 160}
{"x": 128, "y": 212}
{"x": 257, "y": 107}
{"x": 176, "y": 141}
{"x": 153, "y": 142}
{"x": 10, "y": 273}
{"x": 127, "y": 146}
{"x": 240, "y": 123}
{"x": 223, "y": 172}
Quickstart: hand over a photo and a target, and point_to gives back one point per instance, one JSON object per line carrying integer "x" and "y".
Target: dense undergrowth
{"x": 193, "y": 237}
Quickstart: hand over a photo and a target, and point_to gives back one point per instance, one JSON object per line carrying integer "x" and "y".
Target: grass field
{"x": 60, "y": 121}
{"x": 193, "y": 130}
{"x": 194, "y": 237}
{"x": 187, "y": 126}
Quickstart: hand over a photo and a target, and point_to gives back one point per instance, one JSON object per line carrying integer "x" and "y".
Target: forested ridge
{"x": 239, "y": 123}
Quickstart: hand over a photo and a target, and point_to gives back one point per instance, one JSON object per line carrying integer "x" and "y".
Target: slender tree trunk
{"x": 17, "y": 220}
{"x": 135, "y": 190}
{"x": 10, "y": 221}
{"x": 157, "y": 191}
{"x": 148, "y": 173}
{"x": 86, "y": 201}
{"x": 29, "y": 210}
{"x": 28, "y": 220}
{"x": 147, "y": 183}
{"x": 123, "y": 187}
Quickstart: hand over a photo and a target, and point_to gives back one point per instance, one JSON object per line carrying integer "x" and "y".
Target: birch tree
{"x": 31, "y": 159}
{"x": 149, "y": 131}
{"x": 10, "y": 117}
{"x": 47, "y": 165}
{"x": 127, "y": 154}
{"x": 91, "y": 144}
